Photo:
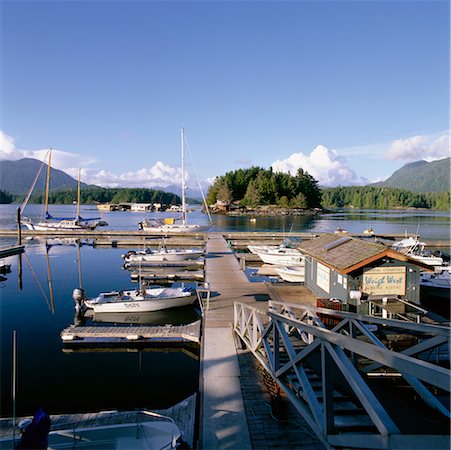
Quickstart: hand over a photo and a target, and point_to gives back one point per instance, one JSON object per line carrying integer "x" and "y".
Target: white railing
{"x": 301, "y": 347}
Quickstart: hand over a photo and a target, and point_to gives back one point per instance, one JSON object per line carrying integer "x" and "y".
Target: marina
{"x": 236, "y": 389}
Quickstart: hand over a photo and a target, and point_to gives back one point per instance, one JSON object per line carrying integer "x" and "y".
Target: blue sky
{"x": 348, "y": 90}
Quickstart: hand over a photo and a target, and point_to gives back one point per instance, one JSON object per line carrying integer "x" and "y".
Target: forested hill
{"x": 371, "y": 197}
{"x": 256, "y": 187}
{"x": 421, "y": 176}
{"x": 16, "y": 177}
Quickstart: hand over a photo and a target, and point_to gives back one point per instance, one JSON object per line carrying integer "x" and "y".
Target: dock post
{"x": 19, "y": 230}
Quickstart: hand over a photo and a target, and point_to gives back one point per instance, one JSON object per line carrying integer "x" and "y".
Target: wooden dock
{"x": 85, "y": 335}
{"x": 183, "y": 414}
{"x": 231, "y": 388}
{"x": 11, "y": 250}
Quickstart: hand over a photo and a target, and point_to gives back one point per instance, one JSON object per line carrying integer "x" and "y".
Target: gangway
{"x": 359, "y": 381}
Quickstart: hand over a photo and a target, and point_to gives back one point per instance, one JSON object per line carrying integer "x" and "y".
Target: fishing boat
{"x": 50, "y": 223}
{"x": 162, "y": 254}
{"x": 171, "y": 224}
{"x": 287, "y": 243}
{"x": 140, "y": 300}
{"x": 415, "y": 249}
{"x": 436, "y": 284}
{"x": 294, "y": 274}
{"x": 281, "y": 256}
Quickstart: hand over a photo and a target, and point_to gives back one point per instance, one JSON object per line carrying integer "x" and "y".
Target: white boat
{"x": 436, "y": 284}
{"x": 130, "y": 430}
{"x": 287, "y": 243}
{"x": 294, "y": 274}
{"x": 282, "y": 256}
{"x": 414, "y": 248}
{"x": 139, "y": 300}
{"x": 57, "y": 224}
{"x": 170, "y": 224}
{"x": 162, "y": 254}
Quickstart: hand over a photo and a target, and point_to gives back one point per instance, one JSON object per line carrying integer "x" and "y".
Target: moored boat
{"x": 139, "y": 300}
{"x": 282, "y": 256}
{"x": 162, "y": 254}
{"x": 294, "y": 274}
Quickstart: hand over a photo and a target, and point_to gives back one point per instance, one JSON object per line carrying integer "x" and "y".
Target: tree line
{"x": 370, "y": 197}
{"x": 98, "y": 195}
{"x": 257, "y": 186}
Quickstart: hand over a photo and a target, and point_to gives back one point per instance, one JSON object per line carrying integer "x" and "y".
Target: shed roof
{"x": 346, "y": 254}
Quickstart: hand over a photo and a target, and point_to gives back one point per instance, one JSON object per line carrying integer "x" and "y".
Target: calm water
{"x": 63, "y": 381}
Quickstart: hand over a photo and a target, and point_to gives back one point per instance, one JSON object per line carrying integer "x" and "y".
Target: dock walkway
{"x": 228, "y": 417}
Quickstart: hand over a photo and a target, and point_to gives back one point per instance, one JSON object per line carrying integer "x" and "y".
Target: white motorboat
{"x": 170, "y": 224}
{"x": 436, "y": 284}
{"x": 162, "y": 254}
{"x": 139, "y": 300}
{"x": 414, "y": 248}
{"x": 282, "y": 256}
{"x": 287, "y": 243}
{"x": 50, "y": 223}
{"x": 129, "y": 430}
{"x": 294, "y": 274}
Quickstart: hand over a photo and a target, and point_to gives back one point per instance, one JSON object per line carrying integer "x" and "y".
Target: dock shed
{"x": 354, "y": 270}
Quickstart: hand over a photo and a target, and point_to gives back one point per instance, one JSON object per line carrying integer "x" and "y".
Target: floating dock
{"x": 11, "y": 250}
{"x": 183, "y": 414}
{"x": 85, "y": 335}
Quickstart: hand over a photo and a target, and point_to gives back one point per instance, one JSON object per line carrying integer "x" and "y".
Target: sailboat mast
{"x": 78, "y": 196}
{"x": 47, "y": 185}
{"x": 182, "y": 135}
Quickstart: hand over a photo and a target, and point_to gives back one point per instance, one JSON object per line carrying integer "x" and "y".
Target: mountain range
{"x": 16, "y": 177}
{"x": 421, "y": 176}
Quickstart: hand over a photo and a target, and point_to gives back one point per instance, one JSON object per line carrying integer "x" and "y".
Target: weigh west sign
{"x": 385, "y": 280}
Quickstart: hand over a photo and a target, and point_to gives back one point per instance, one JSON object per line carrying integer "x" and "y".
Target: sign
{"x": 323, "y": 277}
{"x": 385, "y": 281}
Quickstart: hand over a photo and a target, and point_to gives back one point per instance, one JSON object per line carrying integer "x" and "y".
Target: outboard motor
{"x": 78, "y": 295}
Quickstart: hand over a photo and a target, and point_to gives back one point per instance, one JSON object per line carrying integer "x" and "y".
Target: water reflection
{"x": 86, "y": 380}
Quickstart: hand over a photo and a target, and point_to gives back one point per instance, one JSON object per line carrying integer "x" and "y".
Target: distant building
{"x": 140, "y": 207}
{"x": 358, "y": 272}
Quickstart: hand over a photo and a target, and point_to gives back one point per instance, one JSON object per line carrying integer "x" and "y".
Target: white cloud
{"x": 419, "y": 147}
{"x": 159, "y": 175}
{"x": 323, "y": 164}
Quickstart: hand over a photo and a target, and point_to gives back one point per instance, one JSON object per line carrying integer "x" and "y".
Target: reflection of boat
{"x": 110, "y": 430}
{"x": 5, "y": 268}
{"x": 57, "y": 224}
{"x": 162, "y": 254}
{"x": 292, "y": 274}
{"x": 171, "y": 224}
{"x": 414, "y": 248}
{"x": 140, "y": 300}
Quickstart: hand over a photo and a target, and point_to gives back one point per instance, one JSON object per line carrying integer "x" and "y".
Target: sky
{"x": 348, "y": 90}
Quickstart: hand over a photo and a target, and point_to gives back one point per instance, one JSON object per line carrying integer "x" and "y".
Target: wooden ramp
{"x": 79, "y": 335}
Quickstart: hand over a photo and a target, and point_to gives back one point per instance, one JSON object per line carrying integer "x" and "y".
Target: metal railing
{"x": 327, "y": 362}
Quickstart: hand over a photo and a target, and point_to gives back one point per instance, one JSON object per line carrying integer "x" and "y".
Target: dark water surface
{"x": 125, "y": 378}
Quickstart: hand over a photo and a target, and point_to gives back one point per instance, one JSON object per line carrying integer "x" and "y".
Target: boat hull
{"x": 282, "y": 258}
{"x": 116, "y": 305}
{"x": 291, "y": 274}
{"x": 171, "y": 256}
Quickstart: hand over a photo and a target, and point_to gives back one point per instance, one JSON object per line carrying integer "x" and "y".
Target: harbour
{"x": 226, "y": 372}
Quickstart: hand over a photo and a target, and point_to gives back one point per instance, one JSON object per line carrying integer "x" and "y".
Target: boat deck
{"x": 82, "y": 335}
{"x": 183, "y": 414}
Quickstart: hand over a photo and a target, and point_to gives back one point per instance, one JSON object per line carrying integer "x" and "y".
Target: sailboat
{"x": 170, "y": 224}
{"x": 52, "y": 223}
